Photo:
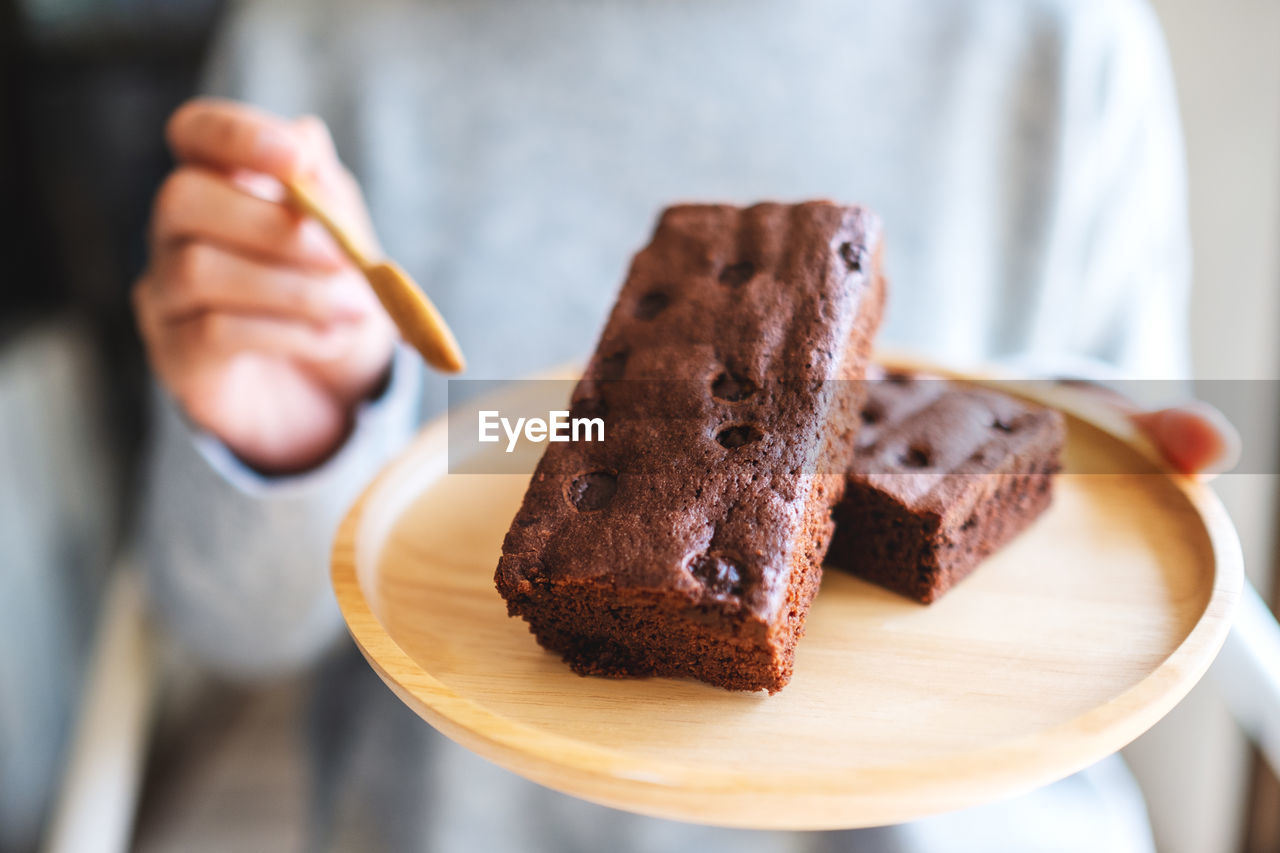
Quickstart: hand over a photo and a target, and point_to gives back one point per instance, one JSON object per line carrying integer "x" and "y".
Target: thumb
{"x": 232, "y": 137}
{"x": 1195, "y": 438}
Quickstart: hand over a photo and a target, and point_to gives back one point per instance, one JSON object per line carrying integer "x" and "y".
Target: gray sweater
{"x": 1026, "y": 160}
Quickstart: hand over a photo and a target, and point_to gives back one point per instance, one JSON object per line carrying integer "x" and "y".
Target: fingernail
{"x": 1232, "y": 447}
{"x": 1195, "y": 437}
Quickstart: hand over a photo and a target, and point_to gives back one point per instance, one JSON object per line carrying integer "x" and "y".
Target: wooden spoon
{"x": 418, "y": 320}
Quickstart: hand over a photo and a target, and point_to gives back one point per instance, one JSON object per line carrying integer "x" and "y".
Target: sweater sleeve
{"x": 237, "y": 563}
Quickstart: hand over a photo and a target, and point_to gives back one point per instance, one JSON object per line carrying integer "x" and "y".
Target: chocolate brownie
{"x": 944, "y": 475}
{"x": 689, "y": 543}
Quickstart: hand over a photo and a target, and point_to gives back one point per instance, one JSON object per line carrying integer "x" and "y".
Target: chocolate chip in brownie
{"x": 593, "y": 491}
{"x": 731, "y": 388}
{"x": 721, "y": 575}
{"x": 736, "y": 275}
{"x": 652, "y": 304}
{"x": 916, "y": 457}
{"x": 853, "y": 256}
{"x": 739, "y": 435}
{"x": 613, "y": 365}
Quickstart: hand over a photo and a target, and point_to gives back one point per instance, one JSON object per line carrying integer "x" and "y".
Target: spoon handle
{"x": 418, "y": 320}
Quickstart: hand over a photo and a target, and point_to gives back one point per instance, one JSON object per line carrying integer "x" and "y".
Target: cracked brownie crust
{"x": 689, "y": 542}
{"x": 944, "y": 475}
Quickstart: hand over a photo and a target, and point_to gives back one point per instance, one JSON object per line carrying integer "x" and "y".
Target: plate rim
{"x": 839, "y": 800}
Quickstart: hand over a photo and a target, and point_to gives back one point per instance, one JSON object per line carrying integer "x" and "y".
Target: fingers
{"x": 220, "y": 335}
{"x": 199, "y": 278}
{"x": 252, "y": 317}
{"x": 335, "y": 184}
{"x": 1196, "y": 438}
{"x": 238, "y": 147}
{"x": 195, "y": 204}
{"x": 182, "y": 350}
{"x": 226, "y": 135}
{"x": 229, "y": 136}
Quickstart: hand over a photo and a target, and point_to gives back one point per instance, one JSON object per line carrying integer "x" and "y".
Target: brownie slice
{"x": 690, "y": 541}
{"x": 944, "y": 475}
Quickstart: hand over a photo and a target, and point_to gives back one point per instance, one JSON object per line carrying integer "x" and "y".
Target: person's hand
{"x": 1196, "y": 438}
{"x": 252, "y": 318}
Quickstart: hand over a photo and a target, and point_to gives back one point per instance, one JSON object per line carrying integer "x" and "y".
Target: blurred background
{"x": 85, "y": 86}
{"x": 1206, "y": 789}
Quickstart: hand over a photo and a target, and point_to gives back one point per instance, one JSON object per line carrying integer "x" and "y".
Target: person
{"x": 1025, "y": 158}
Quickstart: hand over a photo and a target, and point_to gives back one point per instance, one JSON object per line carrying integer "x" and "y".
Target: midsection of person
{"x": 515, "y": 154}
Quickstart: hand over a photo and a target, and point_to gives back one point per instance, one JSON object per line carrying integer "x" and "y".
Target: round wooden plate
{"x": 1057, "y": 652}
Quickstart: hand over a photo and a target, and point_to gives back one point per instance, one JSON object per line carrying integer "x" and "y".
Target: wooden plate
{"x": 1060, "y": 650}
